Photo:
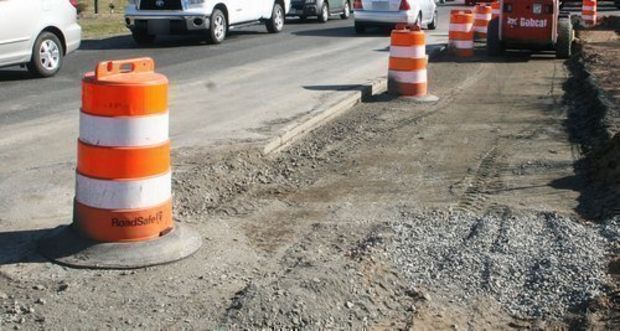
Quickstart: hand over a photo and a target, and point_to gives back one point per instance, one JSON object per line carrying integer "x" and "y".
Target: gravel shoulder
{"x": 461, "y": 214}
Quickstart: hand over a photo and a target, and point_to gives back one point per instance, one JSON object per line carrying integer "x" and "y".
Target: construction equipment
{"x": 531, "y": 24}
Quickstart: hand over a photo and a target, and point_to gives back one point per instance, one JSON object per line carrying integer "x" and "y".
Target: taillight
{"x": 404, "y": 5}
{"x": 74, "y": 3}
{"x": 357, "y": 4}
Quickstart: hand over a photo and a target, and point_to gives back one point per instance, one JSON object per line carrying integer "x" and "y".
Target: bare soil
{"x": 317, "y": 236}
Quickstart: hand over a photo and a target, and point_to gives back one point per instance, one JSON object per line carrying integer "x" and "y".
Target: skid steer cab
{"x": 531, "y": 24}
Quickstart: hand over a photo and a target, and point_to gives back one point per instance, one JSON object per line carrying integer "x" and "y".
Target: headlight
{"x": 194, "y": 2}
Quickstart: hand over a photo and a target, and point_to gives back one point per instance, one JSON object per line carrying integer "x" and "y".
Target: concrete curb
{"x": 304, "y": 125}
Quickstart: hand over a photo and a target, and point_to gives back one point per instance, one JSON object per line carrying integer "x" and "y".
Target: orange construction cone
{"x": 407, "y": 73}
{"x": 123, "y": 200}
{"x": 461, "y": 33}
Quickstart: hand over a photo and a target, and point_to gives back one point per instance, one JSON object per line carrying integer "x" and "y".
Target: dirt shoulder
{"x": 459, "y": 214}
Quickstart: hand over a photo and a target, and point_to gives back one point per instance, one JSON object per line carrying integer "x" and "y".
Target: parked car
{"x": 322, "y": 9}
{"x": 214, "y": 18}
{"x": 391, "y": 12}
{"x": 38, "y": 34}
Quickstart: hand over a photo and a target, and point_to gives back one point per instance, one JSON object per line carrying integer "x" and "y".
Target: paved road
{"x": 242, "y": 90}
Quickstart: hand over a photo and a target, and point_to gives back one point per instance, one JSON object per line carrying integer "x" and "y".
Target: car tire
{"x": 47, "y": 55}
{"x": 142, "y": 38}
{"x": 418, "y": 21}
{"x": 276, "y": 23}
{"x": 346, "y": 13}
{"x": 324, "y": 14}
{"x": 433, "y": 24}
{"x": 359, "y": 28}
{"x": 565, "y": 39}
{"x": 218, "y": 27}
{"x": 494, "y": 44}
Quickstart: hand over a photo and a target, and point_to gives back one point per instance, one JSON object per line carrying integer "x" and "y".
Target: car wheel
{"x": 276, "y": 22}
{"x": 565, "y": 39}
{"x": 359, "y": 28}
{"x": 494, "y": 44}
{"x": 347, "y": 11}
{"x": 324, "y": 15}
{"x": 418, "y": 21}
{"x": 218, "y": 27}
{"x": 433, "y": 24}
{"x": 47, "y": 55}
{"x": 142, "y": 38}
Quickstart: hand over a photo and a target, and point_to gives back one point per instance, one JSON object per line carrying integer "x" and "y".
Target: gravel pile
{"x": 536, "y": 266}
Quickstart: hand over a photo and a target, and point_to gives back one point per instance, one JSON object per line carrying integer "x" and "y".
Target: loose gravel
{"x": 536, "y": 266}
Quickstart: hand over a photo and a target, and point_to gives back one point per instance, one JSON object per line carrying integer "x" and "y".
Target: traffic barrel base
{"x": 67, "y": 246}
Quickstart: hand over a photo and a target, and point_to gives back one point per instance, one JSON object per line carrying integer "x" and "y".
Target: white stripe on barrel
{"x": 408, "y": 77}
{"x": 483, "y": 17}
{"x": 480, "y": 29}
{"x": 458, "y": 27}
{"x": 464, "y": 44}
{"x": 123, "y": 194}
{"x": 124, "y": 131}
{"x": 415, "y": 52}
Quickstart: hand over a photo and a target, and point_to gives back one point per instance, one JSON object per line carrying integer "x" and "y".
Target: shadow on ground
{"x": 9, "y": 75}
{"x": 21, "y": 246}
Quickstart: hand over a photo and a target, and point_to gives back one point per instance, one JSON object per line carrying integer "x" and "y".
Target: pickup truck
{"x": 214, "y": 18}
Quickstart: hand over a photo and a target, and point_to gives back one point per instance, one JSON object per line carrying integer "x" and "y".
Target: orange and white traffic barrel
{"x": 123, "y": 181}
{"x": 496, "y": 9}
{"x": 588, "y": 12}
{"x": 482, "y": 16}
{"x": 407, "y": 74}
{"x": 122, "y": 215}
{"x": 461, "y": 33}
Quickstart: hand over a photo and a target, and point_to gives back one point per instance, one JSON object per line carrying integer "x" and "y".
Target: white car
{"x": 38, "y": 34}
{"x": 149, "y": 18}
{"x": 392, "y": 12}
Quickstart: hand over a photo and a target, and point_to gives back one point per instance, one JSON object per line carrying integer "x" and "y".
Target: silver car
{"x": 38, "y": 34}
{"x": 392, "y": 12}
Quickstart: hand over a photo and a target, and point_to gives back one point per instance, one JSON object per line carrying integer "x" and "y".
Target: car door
{"x": 426, "y": 6}
{"x": 244, "y": 10}
{"x": 336, "y": 5}
{"x": 18, "y": 20}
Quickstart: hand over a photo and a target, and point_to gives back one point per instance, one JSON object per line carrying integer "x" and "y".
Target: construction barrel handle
{"x": 410, "y": 27}
{"x": 118, "y": 67}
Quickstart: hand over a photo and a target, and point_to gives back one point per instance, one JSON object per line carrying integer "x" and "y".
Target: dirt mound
{"x": 609, "y": 23}
{"x": 593, "y": 99}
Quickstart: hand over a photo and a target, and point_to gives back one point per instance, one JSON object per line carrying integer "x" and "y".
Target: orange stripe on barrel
{"x": 406, "y": 38}
{"x": 460, "y": 35}
{"x": 124, "y": 99}
{"x": 408, "y": 89}
{"x": 123, "y": 225}
{"x": 123, "y": 162}
{"x": 407, "y": 64}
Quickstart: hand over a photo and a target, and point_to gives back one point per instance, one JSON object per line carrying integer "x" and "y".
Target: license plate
{"x": 537, "y": 8}
{"x": 156, "y": 27}
{"x": 381, "y": 5}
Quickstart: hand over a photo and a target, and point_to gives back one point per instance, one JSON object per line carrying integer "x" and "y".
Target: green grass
{"x": 108, "y": 22}
{"x": 102, "y": 26}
